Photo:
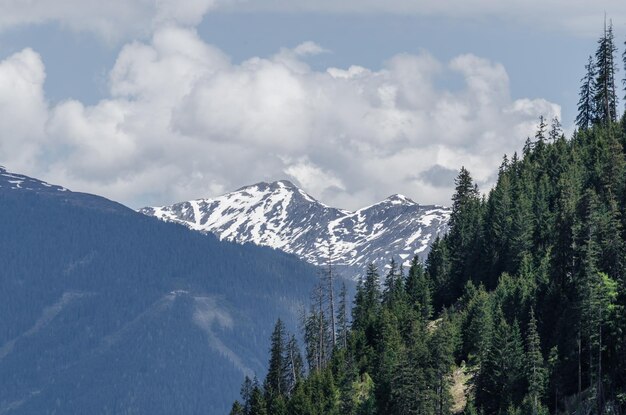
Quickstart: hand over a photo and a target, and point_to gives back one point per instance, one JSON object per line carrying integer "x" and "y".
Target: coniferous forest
{"x": 519, "y": 309}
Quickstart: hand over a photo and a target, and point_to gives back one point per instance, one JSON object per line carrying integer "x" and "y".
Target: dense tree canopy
{"x": 519, "y": 309}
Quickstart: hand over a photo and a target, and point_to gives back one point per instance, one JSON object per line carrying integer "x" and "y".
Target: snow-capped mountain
{"x": 282, "y": 216}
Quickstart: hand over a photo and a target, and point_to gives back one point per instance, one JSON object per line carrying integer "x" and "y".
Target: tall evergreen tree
{"x": 393, "y": 286}
{"x": 276, "y": 381}
{"x": 237, "y": 409}
{"x": 438, "y": 270}
{"x": 605, "y": 99}
{"x": 294, "y": 365}
{"x": 624, "y": 80}
{"x": 342, "y": 317}
{"x": 500, "y": 381}
{"x": 418, "y": 290}
{"x": 465, "y": 233}
{"x": 330, "y": 295}
{"x": 556, "y": 130}
{"x": 442, "y": 346}
{"x": 535, "y": 368}
{"x": 586, "y": 103}
{"x": 258, "y": 405}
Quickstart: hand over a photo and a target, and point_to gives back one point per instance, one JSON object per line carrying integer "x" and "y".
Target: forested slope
{"x": 526, "y": 294}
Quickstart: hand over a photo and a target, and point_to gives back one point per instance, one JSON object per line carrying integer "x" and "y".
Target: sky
{"x": 151, "y": 102}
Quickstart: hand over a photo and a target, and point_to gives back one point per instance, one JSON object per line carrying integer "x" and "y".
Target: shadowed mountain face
{"x": 107, "y": 311}
{"x": 282, "y": 216}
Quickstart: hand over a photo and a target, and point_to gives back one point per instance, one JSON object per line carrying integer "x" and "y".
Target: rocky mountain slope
{"x": 107, "y": 311}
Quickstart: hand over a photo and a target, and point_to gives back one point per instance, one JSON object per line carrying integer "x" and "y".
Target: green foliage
{"x": 535, "y": 369}
{"x": 501, "y": 378}
{"x": 605, "y": 99}
{"x": 528, "y": 288}
{"x": 586, "y": 112}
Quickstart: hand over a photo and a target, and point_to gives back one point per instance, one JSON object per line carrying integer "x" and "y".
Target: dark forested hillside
{"x": 519, "y": 309}
{"x": 104, "y": 310}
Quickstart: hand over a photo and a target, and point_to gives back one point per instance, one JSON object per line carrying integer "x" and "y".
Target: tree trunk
{"x": 331, "y": 295}
{"x": 580, "y": 370}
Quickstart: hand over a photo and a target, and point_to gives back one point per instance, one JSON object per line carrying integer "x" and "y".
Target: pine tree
{"x": 300, "y": 401}
{"x": 317, "y": 337}
{"x": 499, "y": 382}
{"x": 438, "y": 270}
{"x": 410, "y": 386}
{"x": 553, "y": 365}
{"x": 586, "y": 109}
{"x": 342, "y": 317}
{"x": 477, "y": 325}
{"x": 258, "y": 406}
{"x": 393, "y": 289}
{"x": 330, "y": 295}
{"x": 294, "y": 365}
{"x": 624, "y": 80}
{"x": 237, "y": 409}
{"x": 535, "y": 369}
{"x": 442, "y": 346}
{"x": 246, "y": 394}
{"x": 418, "y": 290}
{"x": 465, "y": 233}
{"x": 556, "y": 130}
{"x": 276, "y": 381}
{"x": 363, "y": 397}
{"x": 367, "y": 301}
{"x": 605, "y": 99}
{"x": 540, "y": 134}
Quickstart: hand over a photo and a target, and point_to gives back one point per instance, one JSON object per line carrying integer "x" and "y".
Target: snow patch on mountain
{"x": 14, "y": 181}
{"x": 282, "y": 216}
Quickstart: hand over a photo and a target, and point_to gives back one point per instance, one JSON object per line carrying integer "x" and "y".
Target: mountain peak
{"x": 398, "y": 199}
{"x": 282, "y": 216}
{"x": 285, "y": 183}
{"x": 264, "y": 186}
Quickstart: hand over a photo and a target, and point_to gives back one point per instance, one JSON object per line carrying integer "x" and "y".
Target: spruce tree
{"x": 556, "y": 130}
{"x": 535, "y": 368}
{"x": 465, "y": 234}
{"x": 392, "y": 285}
{"x": 276, "y": 381}
{"x": 442, "y": 346}
{"x": 501, "y": 374}
{"x": 540, "y": 134}
{"x": 624, "y": 80}
{"x": 605, "y": 99}
{"x": 586, "y": 103}
{"x": 294, "y": 365}
{"x": 237, "y": 409}
{"x": 246, "y": 394}
{"x": 438, "y": 270}
{"x": 477, "y": 326}
{"x": 258, "y": 405}
{"x": 342, "y": 317}
{"x": 418, "y": 290}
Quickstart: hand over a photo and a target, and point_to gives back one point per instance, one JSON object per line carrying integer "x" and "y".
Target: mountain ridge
{"x": 106, "y": 310}
{"x": 281, "y": 215}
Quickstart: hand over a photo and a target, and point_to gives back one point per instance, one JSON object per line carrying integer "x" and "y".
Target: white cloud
{"x": 113, "y": 20}
{"x": 309, "y": 48}
{"x": 182, "y": 122}
{"x": 313, "y": 178}
{"x": 23, "y": 110}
